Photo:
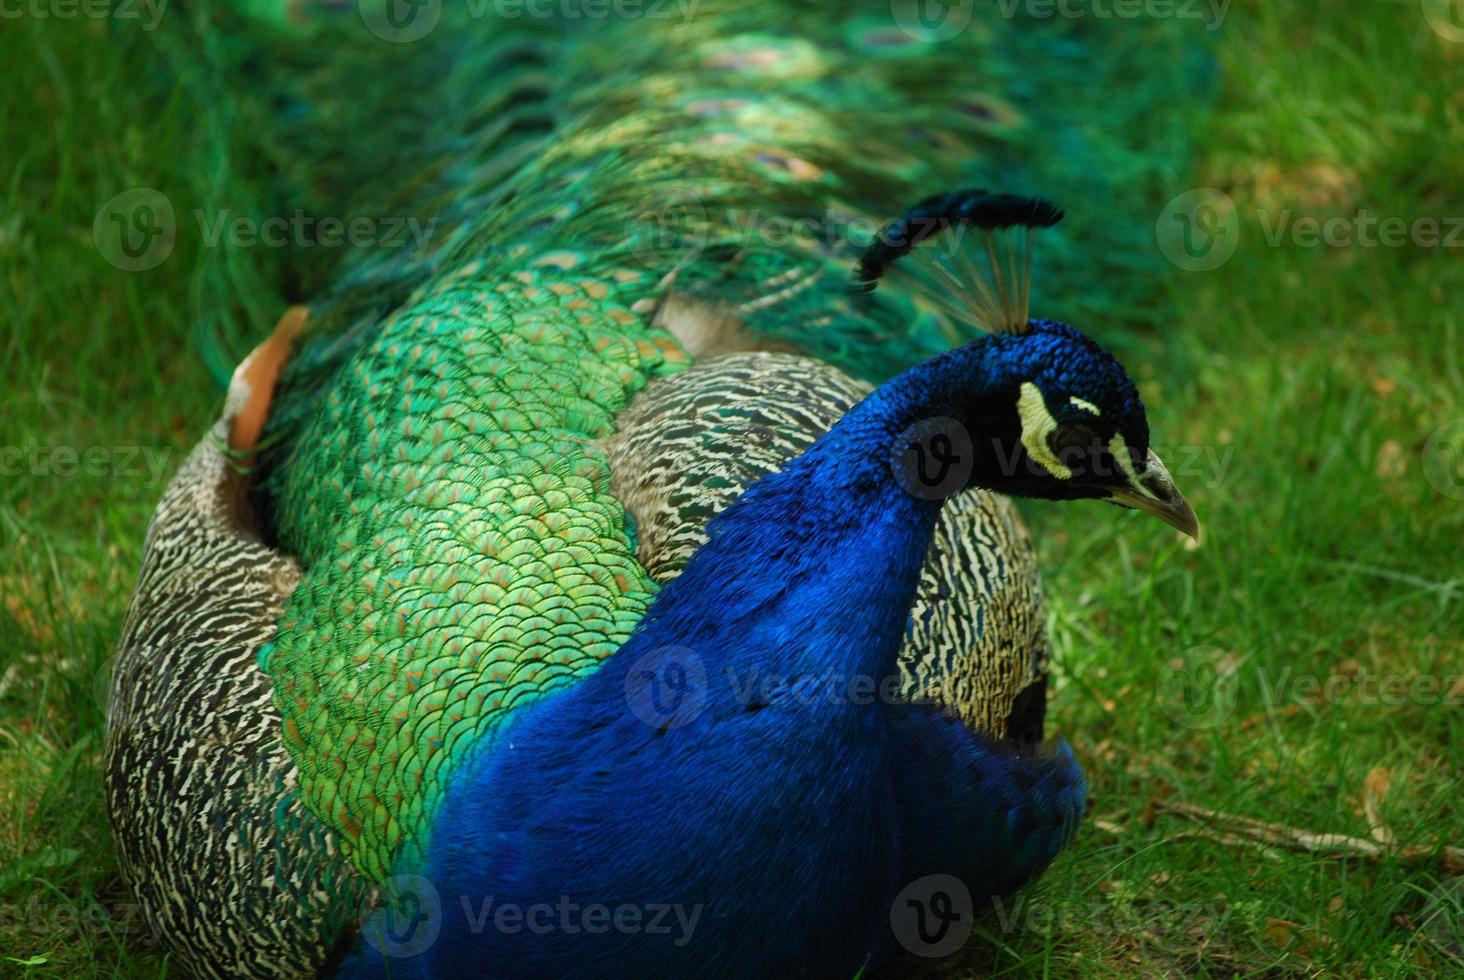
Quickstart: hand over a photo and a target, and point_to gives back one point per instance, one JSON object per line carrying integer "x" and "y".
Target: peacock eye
{"x": 1074, "y": 443}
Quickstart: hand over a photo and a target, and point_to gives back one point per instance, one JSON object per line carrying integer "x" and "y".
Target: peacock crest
{"x": 969, "y": 253}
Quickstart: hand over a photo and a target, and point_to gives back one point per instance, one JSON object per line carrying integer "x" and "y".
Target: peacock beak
{"x": 1152, "y": 491}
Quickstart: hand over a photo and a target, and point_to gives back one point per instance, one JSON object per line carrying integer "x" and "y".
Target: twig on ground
{"x": 1233, "y": 829}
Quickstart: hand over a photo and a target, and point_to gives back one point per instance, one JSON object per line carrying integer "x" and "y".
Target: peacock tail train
{"x": 490, "y": 449}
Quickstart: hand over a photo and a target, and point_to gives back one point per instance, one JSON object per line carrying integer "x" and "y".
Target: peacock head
{"x": 1072, "y": 426}
{"x": 1048, "y": 413}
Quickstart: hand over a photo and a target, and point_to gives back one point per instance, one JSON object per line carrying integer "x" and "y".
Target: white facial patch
{"x": 1120, "y": 451}
{"x": 1084, "y": 404}
{"x": 1037, "y": 425}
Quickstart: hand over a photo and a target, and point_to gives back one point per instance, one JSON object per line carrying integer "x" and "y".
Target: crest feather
{"x": 976, "y": 259}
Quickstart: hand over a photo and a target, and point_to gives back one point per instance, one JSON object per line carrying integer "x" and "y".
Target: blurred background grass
{"x": 1296, "y": 393}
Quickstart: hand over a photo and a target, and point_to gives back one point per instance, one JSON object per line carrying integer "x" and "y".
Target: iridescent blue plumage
{"x": 787, "y": 822}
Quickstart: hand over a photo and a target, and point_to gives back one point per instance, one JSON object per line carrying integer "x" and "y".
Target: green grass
{"x": 1313, "y": 376}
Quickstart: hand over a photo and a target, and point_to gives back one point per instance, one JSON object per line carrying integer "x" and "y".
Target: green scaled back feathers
{"x": 465, "y": 555}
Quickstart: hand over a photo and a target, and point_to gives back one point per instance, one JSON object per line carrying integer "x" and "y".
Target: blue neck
{"x": 814, "y": 568}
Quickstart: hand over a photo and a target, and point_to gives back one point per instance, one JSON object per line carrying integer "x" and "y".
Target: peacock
{"x": 618, "y": 546}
